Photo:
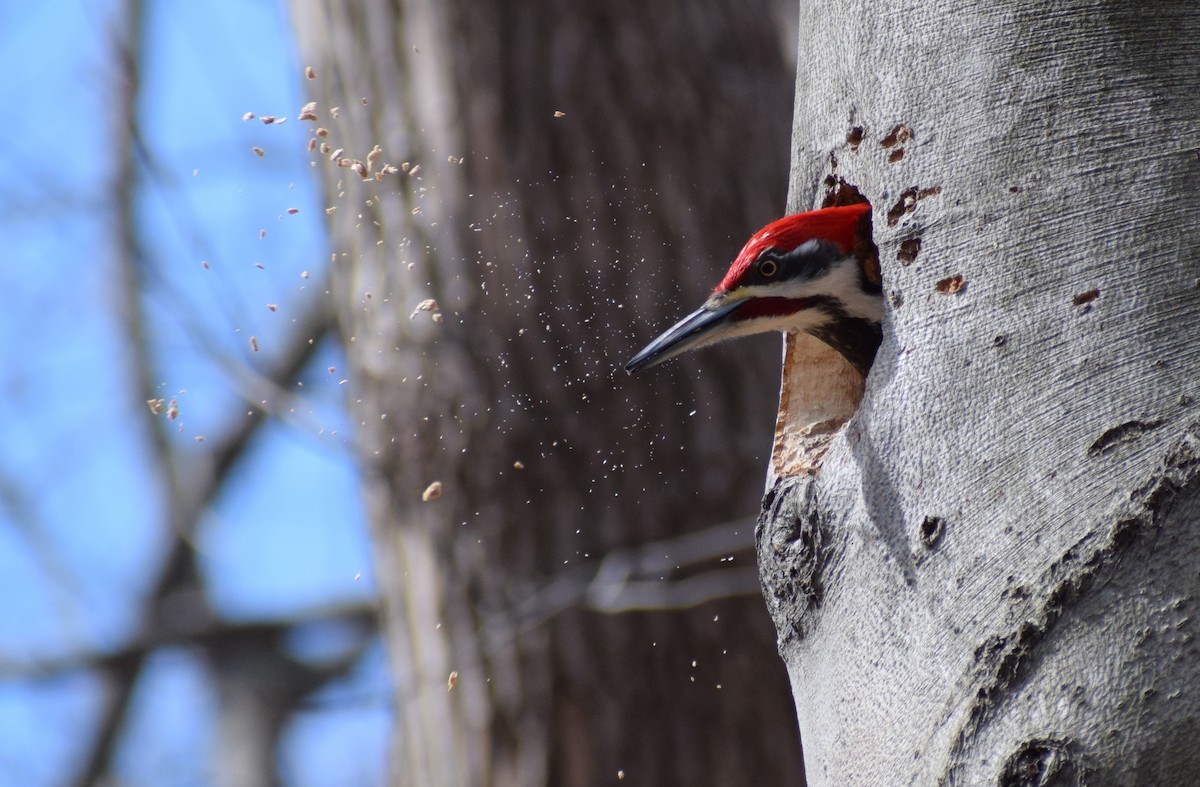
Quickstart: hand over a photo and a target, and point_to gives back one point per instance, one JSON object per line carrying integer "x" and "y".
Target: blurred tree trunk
{"x": 993, "y": 580}
{"x": 609, "y": 152}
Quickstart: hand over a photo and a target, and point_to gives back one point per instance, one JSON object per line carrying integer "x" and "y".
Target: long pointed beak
{"x": 703, "y": 326}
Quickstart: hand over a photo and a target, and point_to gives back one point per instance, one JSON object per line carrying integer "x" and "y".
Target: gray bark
{"x": 994, "y": 579}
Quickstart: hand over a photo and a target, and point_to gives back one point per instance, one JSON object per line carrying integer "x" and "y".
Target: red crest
{"x": 836, "y": 225}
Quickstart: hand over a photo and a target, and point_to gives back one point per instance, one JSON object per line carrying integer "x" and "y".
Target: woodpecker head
{"x": 800, "y": 273}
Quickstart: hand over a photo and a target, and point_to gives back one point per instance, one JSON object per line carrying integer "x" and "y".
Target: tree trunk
{"x": 993, "y": 579}
{"x": 576, "y": 160}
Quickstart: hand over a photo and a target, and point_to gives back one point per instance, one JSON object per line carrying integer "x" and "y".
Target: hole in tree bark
{"x": 931, "y": 531}
{"x": 1038, "y": 763}
{"x": 909, "y": 250}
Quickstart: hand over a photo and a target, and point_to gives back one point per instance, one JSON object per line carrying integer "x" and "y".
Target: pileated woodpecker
{"x": 805, "y": 272}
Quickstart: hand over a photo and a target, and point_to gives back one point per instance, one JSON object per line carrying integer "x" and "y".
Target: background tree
{"x": 561, "y": 166}
{"x": 993, "y": 578}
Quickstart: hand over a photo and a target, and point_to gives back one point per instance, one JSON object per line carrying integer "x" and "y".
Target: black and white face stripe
{"x": 813, "y": 270}
{"x": 809, "y": 260}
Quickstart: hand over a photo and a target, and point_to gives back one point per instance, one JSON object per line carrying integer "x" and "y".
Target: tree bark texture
{"x": 586, "y": 171}
{"x": 994, "y": 578}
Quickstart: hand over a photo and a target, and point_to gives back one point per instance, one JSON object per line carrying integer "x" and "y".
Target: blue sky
{"x": 81, "y": 523}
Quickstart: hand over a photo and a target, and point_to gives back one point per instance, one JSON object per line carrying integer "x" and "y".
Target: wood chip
{"x": 427, "y": 305}
{"x": 432, "y": 492}
{"x": 309, "y": 72}
{"x": 452, "y": 681}
{"x": 259, "y": 152}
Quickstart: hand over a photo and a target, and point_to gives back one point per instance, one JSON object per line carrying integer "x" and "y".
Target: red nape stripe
{"x": 836, "y": 225}
{"x": 771, "y": 307}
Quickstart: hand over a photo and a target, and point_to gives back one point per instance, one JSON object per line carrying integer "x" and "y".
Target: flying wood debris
{"x": 452, "y": 681}
{"x": 254, "y": 343}
{"x": 559, "y": 114}
{"x": 432, "y": 492}
{"x": 156, "y": 405}
{"x": 427, "y": 305}
{"x": 309, "y": 72}
{"x": 259, "y": 152}
{"x": 308, "y": 111}
{"x": 248, "y": 116}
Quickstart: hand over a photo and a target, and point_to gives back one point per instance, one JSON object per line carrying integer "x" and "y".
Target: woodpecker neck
{"x": 855, "y": 338}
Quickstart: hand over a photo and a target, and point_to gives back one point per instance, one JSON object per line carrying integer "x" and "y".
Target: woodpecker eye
{"x": 768, "y": 268}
